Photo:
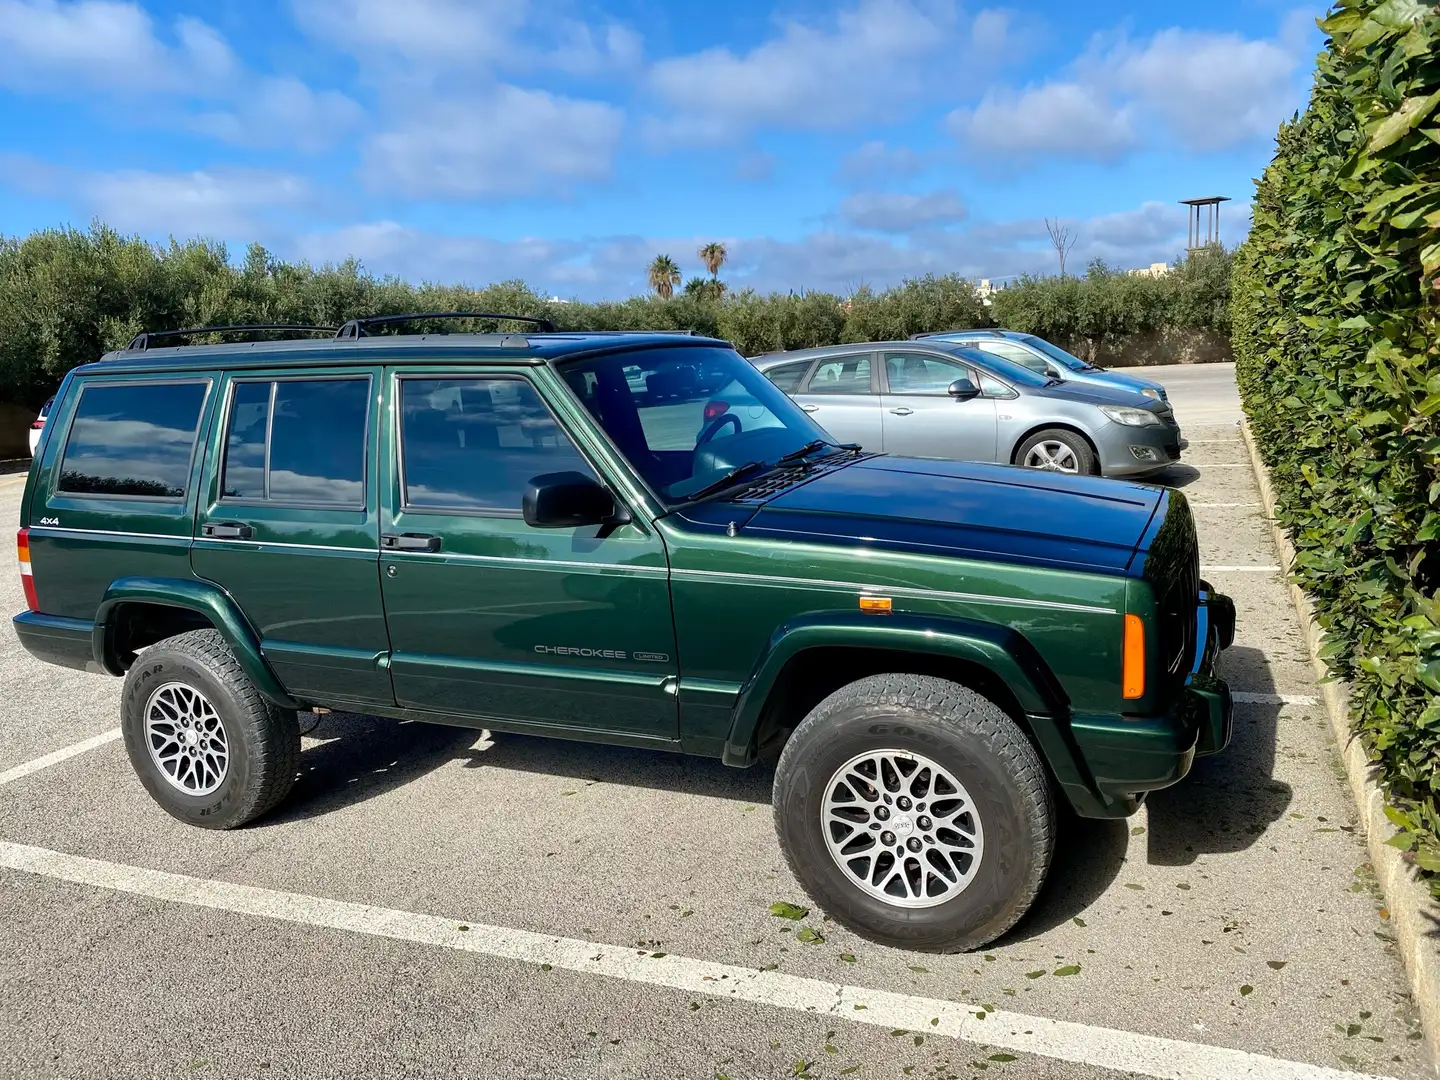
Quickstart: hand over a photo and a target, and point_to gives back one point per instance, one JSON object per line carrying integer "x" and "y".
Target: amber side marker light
{"x": 1132, "y": 676}
{"x": 27, "y": 579}
{"x": 875, "y": 605}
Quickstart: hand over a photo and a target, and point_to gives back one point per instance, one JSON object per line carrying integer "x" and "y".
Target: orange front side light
{"x": 876, "y": 605}
{"x": 1132, "y": 675}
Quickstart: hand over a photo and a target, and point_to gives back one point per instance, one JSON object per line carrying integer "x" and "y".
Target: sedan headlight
{"x": 1151, "y": 393}
{"x": 1122, "y": 414}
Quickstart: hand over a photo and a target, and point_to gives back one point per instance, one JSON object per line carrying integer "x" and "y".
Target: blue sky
{"x": 567, "y": 142}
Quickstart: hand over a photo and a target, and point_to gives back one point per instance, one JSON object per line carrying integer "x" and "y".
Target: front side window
{"x": 842, "y": 375}
{"x": 919, "y": 373}
{"x": 299, "y": 441}
{"x": 132, "y": 439}
{"x": 683, "y": 433}
{"x": 1059, "y": 355}
{"x": 474, "y": 444}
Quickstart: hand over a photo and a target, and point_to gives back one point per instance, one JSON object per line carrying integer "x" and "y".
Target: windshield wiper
{"x": 735, "y": 474}
{"x": 811, "y": 447}
{"x": 1052, "y": 381}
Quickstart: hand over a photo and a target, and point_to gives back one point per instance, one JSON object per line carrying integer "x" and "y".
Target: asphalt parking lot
{"x": 434, "y": 902}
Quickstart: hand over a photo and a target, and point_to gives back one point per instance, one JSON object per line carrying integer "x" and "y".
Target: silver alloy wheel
{"x": 902, "y": 828}
{"x": 1052, "y": 455}
{"x": 186, "y": 739}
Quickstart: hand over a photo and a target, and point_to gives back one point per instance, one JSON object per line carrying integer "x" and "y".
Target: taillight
{"x": 716, "y": 408}
{"x": 27, "y": 576}
{"x": 37, "y": 425}
{"x": 1132, "y": 678}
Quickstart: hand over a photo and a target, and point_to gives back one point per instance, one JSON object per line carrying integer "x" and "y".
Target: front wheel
{"x": 1057, "y": 450}
{"x": 915, "y": 812}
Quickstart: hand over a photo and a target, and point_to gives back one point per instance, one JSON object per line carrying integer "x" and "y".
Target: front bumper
{"x": 1138, "y": 451}
{"x": 1128, "y": 756}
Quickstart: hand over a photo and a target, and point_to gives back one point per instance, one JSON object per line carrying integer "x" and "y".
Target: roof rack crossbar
{"x": 944, "y": 333}
{"x": 141, "y": 341}
{"x": 358, "y": 328}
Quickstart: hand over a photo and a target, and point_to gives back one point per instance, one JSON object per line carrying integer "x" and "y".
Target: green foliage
{"x": 1336, "y": 312}
{"x": 66, "y": 296}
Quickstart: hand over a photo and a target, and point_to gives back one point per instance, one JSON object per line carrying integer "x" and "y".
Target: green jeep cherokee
{"x": 576, "y": 535}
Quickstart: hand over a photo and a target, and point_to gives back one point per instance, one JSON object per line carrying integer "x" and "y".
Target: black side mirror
{"x": 568, "y": 500}
{"x": 963, "y": 390}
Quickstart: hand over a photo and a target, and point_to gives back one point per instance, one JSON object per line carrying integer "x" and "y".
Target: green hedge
{"x": 66, "y": 296}
{"x": 1336, "y": 328}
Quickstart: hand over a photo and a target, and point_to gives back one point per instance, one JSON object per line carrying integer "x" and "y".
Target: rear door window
{"x": 133, "y": 440}
{"x": 841, "y": 375}
{"x": 298, "y": 441}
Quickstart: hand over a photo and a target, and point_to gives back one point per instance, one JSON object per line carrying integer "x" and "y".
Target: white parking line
{"x": 1223, "y": 506}
{"x": 1240, "y": 697}
{"x": 1239, "y": 569}
{"x": 1062, "y": 1040}
{"x": 57, "y": 756}
{"x": 1224, "y": 465}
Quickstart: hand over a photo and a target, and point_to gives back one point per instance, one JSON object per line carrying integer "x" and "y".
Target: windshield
{"x": 687, "y": 417}
{"x": 1059, "y": 355}
{"x": 998, "y": 365}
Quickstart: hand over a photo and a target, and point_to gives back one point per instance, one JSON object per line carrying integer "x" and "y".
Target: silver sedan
{"x": 939, "y": 399}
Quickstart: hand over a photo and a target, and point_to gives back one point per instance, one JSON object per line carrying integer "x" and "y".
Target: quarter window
{"x": 133, "y": 439}
{"x": 475, "y": 444}
{"x": 298, "y": 441}
{"x": 842, "y": 375}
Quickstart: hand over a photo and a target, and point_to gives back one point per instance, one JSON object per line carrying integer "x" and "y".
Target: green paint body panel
{"x": 675, "y": 630}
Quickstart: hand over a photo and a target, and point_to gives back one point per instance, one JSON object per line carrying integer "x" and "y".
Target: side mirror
{"x": 568, "y": 500}
{"x": 963, "y": 390}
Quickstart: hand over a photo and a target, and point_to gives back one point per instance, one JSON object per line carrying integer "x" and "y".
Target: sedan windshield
{"x": 689, "y": 418}
{"x": 1059, "y": 355}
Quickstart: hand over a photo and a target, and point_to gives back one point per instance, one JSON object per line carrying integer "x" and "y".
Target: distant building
{"x": 986, "y": 289}
{"x": 1159, "y": 269}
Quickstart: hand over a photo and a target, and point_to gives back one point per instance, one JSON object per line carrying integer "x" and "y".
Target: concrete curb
{"x": 1413, "y": 912}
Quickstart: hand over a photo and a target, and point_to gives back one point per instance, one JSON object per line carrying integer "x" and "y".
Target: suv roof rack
{"x": 943, "y": 333}
{"x": 141, "y": 341}
{"x": 358, "y": 328}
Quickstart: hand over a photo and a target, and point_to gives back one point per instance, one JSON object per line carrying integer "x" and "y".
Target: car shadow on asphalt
{"x": 362, "y": 757}
{"x": 1176, "y": 476}
{"x": 1229, "y": 799}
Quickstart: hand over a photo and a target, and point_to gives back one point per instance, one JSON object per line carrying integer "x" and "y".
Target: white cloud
{"x": 219, "y": 203}
{"x": 1056, "y": 118}
{"x": 874, "y": 57}
{"x": 898, "y": 212}
{"x": 514, "y": 142}
{"x": 875, "y": 160}
{"x": 283, "y": 111}
{"x": 1200, "y": 90}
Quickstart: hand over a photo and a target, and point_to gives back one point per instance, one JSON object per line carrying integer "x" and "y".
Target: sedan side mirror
{"x": 963, "y": 390}
{"x": 569, "y": 500}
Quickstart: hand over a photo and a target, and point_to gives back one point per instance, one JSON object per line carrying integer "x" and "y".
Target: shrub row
{"x": 66, "y": 296}
{"x": 1336, "y": 326}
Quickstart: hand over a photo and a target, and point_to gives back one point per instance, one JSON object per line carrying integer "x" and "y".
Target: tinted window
{"x": 1018, "y": 353}
{"x": 299, "y": 441}
{"x": 787, "y": 376}
{"x": 133, "y": 440}
{"x": 475, "y": 444}
{"x": 917, "y": 373}
{"x": 842, "y": 375}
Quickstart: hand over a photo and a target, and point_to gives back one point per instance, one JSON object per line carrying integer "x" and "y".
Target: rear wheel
{"x": 1057, "y": 450}
{"x": 915, "y": 812}
{"x": 209, "y": 749}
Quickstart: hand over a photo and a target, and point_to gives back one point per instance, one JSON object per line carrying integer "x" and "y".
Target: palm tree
{"x": 713, "y": 255}
{"x": 664, "y": 276}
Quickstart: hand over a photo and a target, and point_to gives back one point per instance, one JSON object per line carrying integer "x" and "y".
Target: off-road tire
{"x": 264, "y": 740}
{"x": 1085, "y": 461}
{"x": 981, "y": 746}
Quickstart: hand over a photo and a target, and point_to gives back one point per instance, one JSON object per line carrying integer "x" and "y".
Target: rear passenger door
{"x": 492, "y": 618}
{"x": 289, "y": 526}
{"x": 842, "y": 395}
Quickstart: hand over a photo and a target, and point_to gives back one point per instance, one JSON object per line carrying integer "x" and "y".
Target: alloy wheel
{"x": 186, "y": 739}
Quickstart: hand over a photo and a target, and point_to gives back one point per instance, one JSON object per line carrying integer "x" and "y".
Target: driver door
{"x": 921, "y": 419}
{"x": 566, "y": 629}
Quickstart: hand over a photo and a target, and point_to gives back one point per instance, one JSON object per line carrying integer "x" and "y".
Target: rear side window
{"x": 133, "y": 440}
{"x": 475, "y": 444}
{"x": 299, "y": 441}
{"x": 842, "y": 375}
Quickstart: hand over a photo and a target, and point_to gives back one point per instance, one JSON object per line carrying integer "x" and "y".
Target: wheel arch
{"x": 138, "y": 611}
{"x": 1062, "y": 425}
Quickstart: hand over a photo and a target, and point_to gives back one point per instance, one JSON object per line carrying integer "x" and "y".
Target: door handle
{"x": 902, "y": 411}
{"x": 810, "y": 408}
{"x": 227, "y": 530}
{"x": 410, "y": 542}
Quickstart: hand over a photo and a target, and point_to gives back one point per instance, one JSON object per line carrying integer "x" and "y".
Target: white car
{"x": 39, "y": 426}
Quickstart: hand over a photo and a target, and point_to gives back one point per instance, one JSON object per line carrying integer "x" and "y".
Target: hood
{"x": 969, "y": 510}
{"x": 1091, "y": 392}
{"x": 1122, "y": 379}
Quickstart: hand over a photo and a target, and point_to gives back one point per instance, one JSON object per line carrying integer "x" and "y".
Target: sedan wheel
{"x": 1052, "y": 455}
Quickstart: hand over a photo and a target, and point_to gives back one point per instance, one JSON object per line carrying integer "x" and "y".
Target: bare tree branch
{"x": 1062, "y": 239}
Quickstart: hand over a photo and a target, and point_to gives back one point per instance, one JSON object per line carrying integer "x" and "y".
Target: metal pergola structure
{"x": 1206, "y": 232}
